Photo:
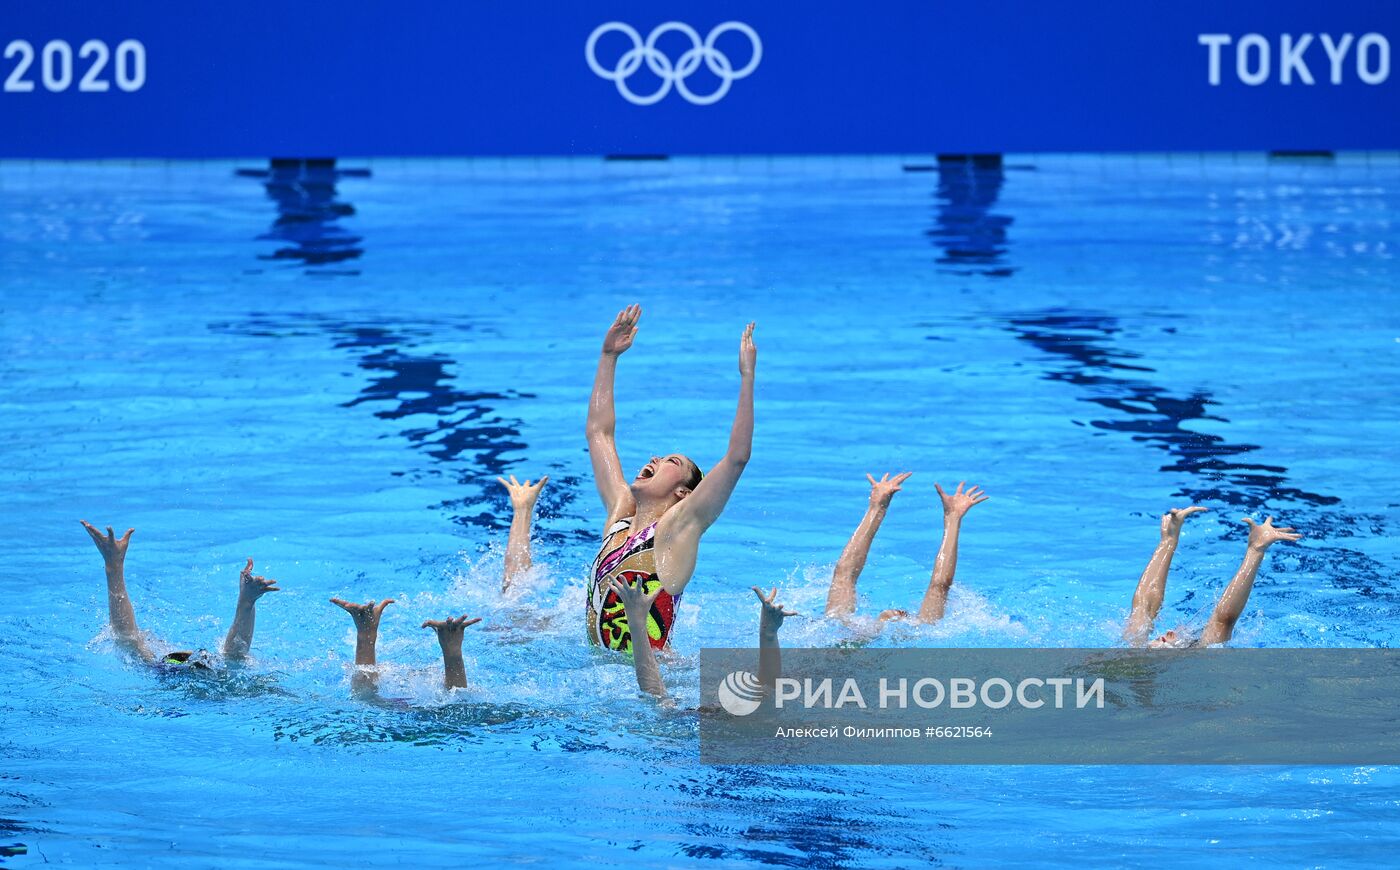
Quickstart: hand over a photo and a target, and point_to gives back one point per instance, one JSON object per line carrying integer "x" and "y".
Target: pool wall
{"x": 260, "y": 79}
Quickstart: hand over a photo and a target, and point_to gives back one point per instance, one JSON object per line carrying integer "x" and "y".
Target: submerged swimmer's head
{"x": 1171, "y": 640}
{"x": 187, "y": 658}
{"x": 667, "y": 477}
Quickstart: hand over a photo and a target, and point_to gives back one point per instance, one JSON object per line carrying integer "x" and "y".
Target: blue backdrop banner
{"x": 261, "y": 78}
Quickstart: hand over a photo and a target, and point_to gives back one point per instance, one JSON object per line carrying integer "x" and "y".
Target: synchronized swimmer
{"x": 654, "y": 524}
{"x": 366, "y": 616}
{"x": 1152, "y": 586}
{"x": 651, "y": 537}
{"x": 841, "y": 597}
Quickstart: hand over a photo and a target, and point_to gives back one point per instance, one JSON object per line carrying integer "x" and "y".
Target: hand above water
{"x": 959, "y": 503}
{"x": 882, "y": 490}
{"x": 622, "y": 331}
{"x": 252, "y": 586}
{"x": 1262, "y": 536}
{"x": 366, "y": 615}
{"x": 1173, "y": 519}
{"x": 523, "y": 495}
{"x": 748, "y": 352}
{"x": 450, "y": 630}
{"x": 637, "y": 603}
{"x": 772, "y": 616}
{"x": 112, "y": 548}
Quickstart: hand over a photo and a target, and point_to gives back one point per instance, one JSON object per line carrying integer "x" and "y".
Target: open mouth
{"x": 647, "y": 471}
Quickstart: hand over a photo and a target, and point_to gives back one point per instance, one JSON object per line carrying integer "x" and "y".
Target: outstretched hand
{"x": 366, "y": 615}
{"x": 773, "y": 614}
{"x": 523, "y": 495}
{"x": 959, "y": 503}
{"x": 112, "y": 548}
{"x": 252, "y": 586}
{"x": 449, "y": 630}
{"x": 636, "y": 602}
{"x": 622, "y": 331}
{"x": 748, "y": 352}
{"x": 882, "y": 490}
{"x": 1261, "y": 536}
{"x": 1173, "y": 519}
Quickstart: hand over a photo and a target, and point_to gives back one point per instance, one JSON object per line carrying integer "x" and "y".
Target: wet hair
{"x": 693, "y": 479}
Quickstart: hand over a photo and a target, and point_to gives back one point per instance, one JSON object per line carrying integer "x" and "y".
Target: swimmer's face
{"x": 672, "y": 474}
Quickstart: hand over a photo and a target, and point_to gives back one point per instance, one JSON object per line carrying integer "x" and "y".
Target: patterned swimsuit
{"x": 631, "y": 556}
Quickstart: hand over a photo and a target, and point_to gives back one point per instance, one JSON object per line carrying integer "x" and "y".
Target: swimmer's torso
{"x": 630, "y": 554}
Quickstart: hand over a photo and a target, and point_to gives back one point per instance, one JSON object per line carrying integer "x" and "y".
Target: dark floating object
{"x": 1302, "y": 155}
{"x": 920, "y": 167}
{"x": 637, "y": 157}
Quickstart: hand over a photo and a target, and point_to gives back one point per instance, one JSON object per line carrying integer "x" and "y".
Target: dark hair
{"x": 695, "y": 476}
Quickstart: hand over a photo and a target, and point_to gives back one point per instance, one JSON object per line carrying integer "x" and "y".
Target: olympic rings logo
{"x": 673, "y": 74}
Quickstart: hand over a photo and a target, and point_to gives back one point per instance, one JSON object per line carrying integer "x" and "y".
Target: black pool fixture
{"x": 1302, "y": 155}
{"x": 979, "y": 161}
{"x": 309, "y": 166}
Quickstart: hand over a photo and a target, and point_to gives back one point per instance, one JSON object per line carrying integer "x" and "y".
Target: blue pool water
{"x": 328, "y": 373}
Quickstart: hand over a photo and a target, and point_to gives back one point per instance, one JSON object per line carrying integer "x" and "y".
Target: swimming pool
{"x": 328, "y": 372}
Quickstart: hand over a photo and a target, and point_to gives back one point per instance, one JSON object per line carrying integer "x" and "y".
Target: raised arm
{"x": 251, "y": 587}
{"x": 602, "y": 419}
{"x": 955, "y": 507}
{"x": 841, "y": 597}
{"x": 119, "y": 609}
{"x": 1233, "y": 599}
{"x": 703, "y": 506}
{"x": 522, "y": 502}
{"x": 770, "y": 654}
{"x": 449, "y": 635}
{"x": 364, "y": 683}
{"x": 1152, "y": 585}
{"x": 637, "y": 605}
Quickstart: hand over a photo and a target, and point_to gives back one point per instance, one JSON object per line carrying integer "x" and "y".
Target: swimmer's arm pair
{"x": 251, "y": 587}
{"x": 841, "y": 596}
{"x": 366, "y": 617}
{"x": 602, "y": 419}
{"x": 770, "y": 654}
{"x": 1236, "y": 595}
{"x": 1152, "y": 585}
{"x": 119, "y": 609}
{"x": 955, "y": 507}
{"x": 699, "y": 510}
{"x": 637, "y": 605}
{"x": 522, "y": 502}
